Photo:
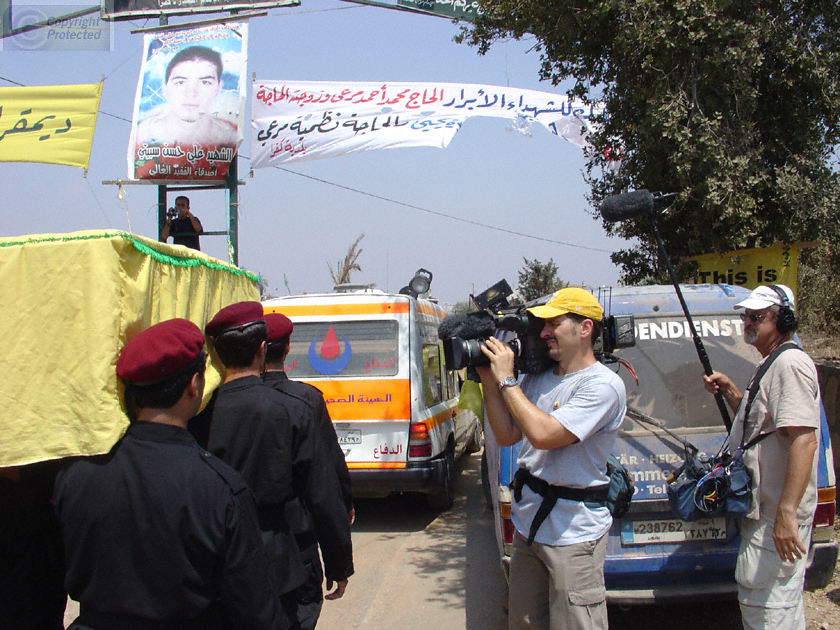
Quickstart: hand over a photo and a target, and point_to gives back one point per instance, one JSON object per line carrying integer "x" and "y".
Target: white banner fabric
{"x": 294, "y": 121}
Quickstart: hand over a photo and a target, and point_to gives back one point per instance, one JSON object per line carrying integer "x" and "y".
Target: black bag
{"x": 621, "y": 489}
{"x": 705, "y": 487}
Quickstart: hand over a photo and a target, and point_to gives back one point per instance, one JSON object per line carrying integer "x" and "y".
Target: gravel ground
{"x": 822, "y": 607}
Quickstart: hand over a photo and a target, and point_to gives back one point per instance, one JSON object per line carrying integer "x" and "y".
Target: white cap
{"x": 765, "y": 296}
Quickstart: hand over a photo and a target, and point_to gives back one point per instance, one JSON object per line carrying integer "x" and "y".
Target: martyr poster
{"x": 190, "y": 104}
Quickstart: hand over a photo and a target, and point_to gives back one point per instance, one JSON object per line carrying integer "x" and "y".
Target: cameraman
{"x": 184, "y": 227}
{"x": 567, "y": 419}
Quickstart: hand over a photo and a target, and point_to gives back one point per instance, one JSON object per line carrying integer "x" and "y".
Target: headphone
{"x": 786, "y": 318}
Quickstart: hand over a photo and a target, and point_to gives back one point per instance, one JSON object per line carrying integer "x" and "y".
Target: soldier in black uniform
{"x": 262, "y": 434}
{"x": 158, "y": 533}
{"x": 310, "y": 595}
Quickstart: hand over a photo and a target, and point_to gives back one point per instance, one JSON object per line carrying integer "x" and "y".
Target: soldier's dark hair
{"x": 236, "y": 348}
{"x": 276, "y": 350}
{"x": 164, "y": 393}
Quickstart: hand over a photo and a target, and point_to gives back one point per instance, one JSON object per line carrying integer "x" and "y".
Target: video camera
{"x": 171, "y": 213}
{"x": 463, "y": 334}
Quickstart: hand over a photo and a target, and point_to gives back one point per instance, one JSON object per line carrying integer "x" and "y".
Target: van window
{"x": 670, "y": 375}
{"x": 353, "y": 348}
{"x": 432, "y": 382}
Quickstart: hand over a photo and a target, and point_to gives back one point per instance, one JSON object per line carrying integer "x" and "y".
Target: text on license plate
{"x": 349, "y": 436}
{"x": 672, "y": 531}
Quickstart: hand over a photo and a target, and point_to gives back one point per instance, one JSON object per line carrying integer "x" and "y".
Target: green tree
{"x": 537, "y": 279}
{"x": 732, "y": 104}
{"x": 466, "y": 306}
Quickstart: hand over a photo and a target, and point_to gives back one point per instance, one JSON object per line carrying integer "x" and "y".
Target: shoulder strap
{"x": 753, "y": 390}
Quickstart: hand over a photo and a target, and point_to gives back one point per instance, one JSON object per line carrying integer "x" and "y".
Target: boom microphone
{"x": 626, "y": 206}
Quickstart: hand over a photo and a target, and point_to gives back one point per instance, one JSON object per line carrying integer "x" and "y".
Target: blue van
{"x": 652, "y": 556}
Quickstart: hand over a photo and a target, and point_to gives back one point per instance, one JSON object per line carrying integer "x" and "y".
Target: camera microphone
{"x": 467, "y": 326}
{"x": 627, "y": 206}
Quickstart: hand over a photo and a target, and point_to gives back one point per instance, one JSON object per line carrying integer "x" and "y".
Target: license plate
{"x": 672, "y": 531}
{"x": 349, "y": 436}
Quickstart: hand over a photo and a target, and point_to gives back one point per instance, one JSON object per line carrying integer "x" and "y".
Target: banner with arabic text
{"x": 189, "y": 110}
{"x": 751, "y": 267}
{"x": 52, "y": 124}
{"x": 306, "y": 120}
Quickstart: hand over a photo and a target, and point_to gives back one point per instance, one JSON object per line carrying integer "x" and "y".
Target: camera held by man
{"x": 464, "y": 334}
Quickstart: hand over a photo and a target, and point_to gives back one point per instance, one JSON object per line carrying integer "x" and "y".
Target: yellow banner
{"x": 750, "y": 267}
{"x": 52, "y": 124}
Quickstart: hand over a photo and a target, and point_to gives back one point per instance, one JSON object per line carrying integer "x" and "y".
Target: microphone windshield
{"x": 469, "y": 326}
{"x": 626, "y": 206}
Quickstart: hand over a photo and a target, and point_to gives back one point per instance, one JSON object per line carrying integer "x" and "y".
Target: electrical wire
{"x": 441, "y": 214}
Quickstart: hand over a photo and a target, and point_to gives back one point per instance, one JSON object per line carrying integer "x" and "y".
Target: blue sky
{"x": 295, "y": 219}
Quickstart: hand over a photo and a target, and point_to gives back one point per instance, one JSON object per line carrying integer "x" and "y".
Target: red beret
{"x": 239, "y": 315}
{"x": 280, "y": 327}
{"x": 160, "y": 351}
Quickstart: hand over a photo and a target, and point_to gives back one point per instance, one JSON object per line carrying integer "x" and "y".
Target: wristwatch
{"x": 507, "y": 381}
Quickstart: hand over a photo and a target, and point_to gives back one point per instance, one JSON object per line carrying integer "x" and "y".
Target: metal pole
{"x": 163, "y": 20}
{"x": 233, "y": 211}
{"x": 698, "y": 343}
{"x": 161, "y": 210}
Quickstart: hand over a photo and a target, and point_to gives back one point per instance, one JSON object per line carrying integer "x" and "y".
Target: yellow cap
{"x": 571, "y": 300}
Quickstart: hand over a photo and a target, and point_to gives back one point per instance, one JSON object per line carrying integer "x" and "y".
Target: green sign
{"x": 458, "y": 9}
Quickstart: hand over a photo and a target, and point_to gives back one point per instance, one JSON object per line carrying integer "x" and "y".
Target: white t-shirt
{"x": 787, "y": 397}
{"x": 591, "y": 404}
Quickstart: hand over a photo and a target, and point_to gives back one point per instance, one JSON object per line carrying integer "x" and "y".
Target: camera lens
{"x": 461, "y": 353}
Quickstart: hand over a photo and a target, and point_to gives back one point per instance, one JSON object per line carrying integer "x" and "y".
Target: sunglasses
{"x": 755, "y": 318}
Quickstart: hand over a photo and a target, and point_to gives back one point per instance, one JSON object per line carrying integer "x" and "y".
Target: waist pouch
{"x": 592, "y": 497}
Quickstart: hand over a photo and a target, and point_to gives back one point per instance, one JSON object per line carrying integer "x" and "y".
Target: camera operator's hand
{"x": 501, "y": 358}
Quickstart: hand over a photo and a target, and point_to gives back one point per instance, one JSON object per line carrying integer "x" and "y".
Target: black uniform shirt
{"x": 158, "y": 529}
{"x": 322, "y": 421}
{"x": 267, "y": 437}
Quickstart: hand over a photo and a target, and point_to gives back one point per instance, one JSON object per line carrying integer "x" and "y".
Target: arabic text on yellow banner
{"x": 51, "y": 124}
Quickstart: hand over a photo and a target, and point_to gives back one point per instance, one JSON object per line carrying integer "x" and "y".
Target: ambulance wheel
{"x": 475, "y": 442}
{"x": 485, "y": 481}
{"x": 445, "y": 498}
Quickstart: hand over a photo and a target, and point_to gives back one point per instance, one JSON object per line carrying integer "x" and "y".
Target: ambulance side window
{"x": 432, "y": 384}
{"x": 450, "y": 387}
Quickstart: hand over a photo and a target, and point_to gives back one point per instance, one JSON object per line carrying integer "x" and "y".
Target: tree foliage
{"x": 732, "y": 104}
{"x": 537, "y": 279}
